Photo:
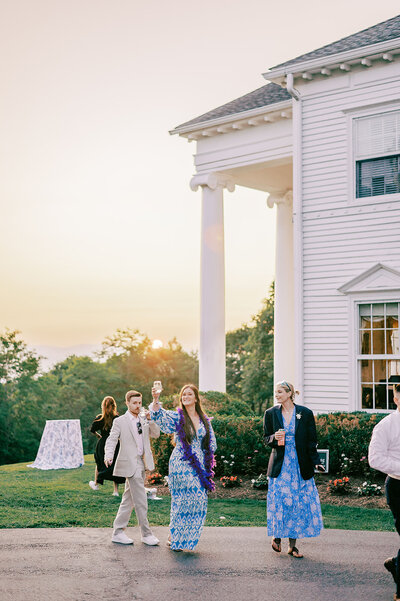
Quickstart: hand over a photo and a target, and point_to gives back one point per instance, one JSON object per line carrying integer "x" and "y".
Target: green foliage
{"x": 241, "y": 448}
{"x": 236, "y": 353}
{"x": 369, "y": 489}
{"x": 21, "y": 414}
{"x": 74, "y": 388}
{"x": 220, "y": 403}
{"x": 250, "y": 358}
{"x": 136, "y": 364}
{"x": 347, "y": 435}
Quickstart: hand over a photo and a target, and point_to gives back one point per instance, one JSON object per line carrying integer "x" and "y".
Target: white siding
{"x": 342, "y": 237}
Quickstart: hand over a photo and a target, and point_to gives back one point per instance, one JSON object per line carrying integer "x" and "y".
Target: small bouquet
{"x": 340, "y": 486}
{"x": 230, "y": 481}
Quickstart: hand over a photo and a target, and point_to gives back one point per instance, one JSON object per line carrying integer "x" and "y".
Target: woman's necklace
{"x": 287, "y": 412}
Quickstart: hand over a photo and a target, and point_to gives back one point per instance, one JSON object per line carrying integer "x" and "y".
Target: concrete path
{"x": 81, "y": 564}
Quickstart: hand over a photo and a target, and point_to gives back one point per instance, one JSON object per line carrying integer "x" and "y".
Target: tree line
{"x": 75, "y": 387}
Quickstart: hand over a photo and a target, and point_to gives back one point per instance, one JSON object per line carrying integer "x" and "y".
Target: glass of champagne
{"x": 158, "y": 386}
{"x": 143, "y": 413}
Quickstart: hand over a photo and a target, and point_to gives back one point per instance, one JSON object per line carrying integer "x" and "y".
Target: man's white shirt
{"x": 138, "y": 437}
{"x": 384, "y": 448}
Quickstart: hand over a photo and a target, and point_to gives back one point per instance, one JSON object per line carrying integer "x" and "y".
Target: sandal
{"x": 294, "y": 552}
{"x": 276, "y": 546}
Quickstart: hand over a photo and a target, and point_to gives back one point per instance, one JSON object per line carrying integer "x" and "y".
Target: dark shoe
{"x": 390, "y": 565}
{"x": 294, "y": 552}
{"x": 276, "y": 545}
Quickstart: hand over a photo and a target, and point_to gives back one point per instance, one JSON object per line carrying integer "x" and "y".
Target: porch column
{"x": 284, "y": 334}
{"x": 212, "y": 371}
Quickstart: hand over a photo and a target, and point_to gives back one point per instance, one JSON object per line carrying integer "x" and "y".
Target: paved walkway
{"x": 81, "y": 564}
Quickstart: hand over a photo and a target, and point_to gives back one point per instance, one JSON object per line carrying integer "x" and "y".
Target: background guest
{"x": 384, "y": 455}
{"x": 293, "y": 507}
{"x": 101, "y": 428}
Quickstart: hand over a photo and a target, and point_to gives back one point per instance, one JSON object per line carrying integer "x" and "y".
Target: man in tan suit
{"x": 133, "y": 433}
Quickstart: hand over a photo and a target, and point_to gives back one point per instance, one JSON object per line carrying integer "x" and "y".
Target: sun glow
{"x": 157, "y": 343}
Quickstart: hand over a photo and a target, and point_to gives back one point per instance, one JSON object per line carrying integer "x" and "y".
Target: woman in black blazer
{"x": 293, "y": 507}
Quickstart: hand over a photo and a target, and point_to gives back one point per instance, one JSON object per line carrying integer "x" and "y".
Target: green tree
{"x": 131, "y": 357}
{"x": 19, "y": 372}
{"x": 236, "y": 353}
{"x": 258, "y": 369}
{"x": 250, "y": 358}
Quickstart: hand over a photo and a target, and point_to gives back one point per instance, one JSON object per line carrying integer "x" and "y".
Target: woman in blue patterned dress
{"x": 293, "y": 507}
{"x": 190, "y": 466}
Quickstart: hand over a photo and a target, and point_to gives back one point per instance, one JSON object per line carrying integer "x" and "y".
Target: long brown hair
{"x": 190, "y": 430}
{"x": 108, "y": 411}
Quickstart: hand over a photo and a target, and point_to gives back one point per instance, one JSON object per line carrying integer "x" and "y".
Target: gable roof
{"x": 274, "y": 93}
{"x": 382, "y": 32}
{"x": 264, "y": 96}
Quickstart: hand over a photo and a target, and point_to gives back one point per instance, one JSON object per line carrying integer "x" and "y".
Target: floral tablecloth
{"x": 60, "y": 445}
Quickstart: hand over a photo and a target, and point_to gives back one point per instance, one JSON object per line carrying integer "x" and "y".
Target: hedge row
{"x": 241, "y": 448}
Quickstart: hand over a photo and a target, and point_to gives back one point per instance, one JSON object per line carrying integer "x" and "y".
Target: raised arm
{"x": 166, "y": 420}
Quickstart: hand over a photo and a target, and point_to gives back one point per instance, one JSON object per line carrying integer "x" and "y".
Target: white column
{"x": 212, "y": 371}
{"x": 284, "y": 334}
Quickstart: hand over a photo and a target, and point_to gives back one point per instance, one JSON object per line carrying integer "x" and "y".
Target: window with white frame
{"x": 377, "y": 154}
{"x": 378, "y": 354}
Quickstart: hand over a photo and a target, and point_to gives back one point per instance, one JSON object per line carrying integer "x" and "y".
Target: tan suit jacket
{"x": 122, "y": 430}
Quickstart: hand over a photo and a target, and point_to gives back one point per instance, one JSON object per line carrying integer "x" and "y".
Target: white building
{"x": 323, "y": 140}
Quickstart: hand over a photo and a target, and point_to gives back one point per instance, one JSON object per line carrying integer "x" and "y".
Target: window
{"x": 377, "y": 153}
{"x": 378, "y": 354}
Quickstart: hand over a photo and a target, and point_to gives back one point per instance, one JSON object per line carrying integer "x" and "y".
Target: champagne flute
{"x": 158, "y": 386}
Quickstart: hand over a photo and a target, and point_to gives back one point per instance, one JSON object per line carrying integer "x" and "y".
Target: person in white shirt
{"x": 133, "y": 433}
{"x": 384, "y": 455}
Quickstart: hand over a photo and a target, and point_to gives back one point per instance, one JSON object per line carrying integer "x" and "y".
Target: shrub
{"x": 155, "y": 478}
{"x": 219, "y": 403}
{"x": 230, "y": 481}
{"x": 368, "y": 489}
{"x": 261, "y": 482}
{"x": 339, "y": 486}
{"x": 346, "y": 435}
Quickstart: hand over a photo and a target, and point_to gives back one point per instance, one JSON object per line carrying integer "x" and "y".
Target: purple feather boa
{"x": 205, "y": 474}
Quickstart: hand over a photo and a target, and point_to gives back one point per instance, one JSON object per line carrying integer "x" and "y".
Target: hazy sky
{"x": 99, "y": 228}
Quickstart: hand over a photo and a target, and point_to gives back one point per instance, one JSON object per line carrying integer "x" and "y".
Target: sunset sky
{"x": 99, "y": 228}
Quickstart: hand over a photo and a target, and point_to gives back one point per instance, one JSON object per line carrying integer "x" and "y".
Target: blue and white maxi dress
{"x": 293, "y": 506}
{"x": 188, "y": 497}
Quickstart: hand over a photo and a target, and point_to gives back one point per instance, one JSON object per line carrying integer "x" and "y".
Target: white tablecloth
{"x": 60, "y": 445}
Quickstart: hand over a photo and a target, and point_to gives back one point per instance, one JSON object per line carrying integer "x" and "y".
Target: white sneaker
{"x": 150, "y": 539}
{"x": 115, "y": 494}
{"x": 122, "y": 539}
{"x": 93, "y": 485}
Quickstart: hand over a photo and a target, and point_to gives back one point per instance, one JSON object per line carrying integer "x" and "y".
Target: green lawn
{"x": 31, "y": 498}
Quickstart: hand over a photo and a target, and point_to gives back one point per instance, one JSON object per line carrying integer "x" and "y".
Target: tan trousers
{"x": 134, "y": 497}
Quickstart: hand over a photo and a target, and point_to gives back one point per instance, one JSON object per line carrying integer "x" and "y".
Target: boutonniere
{"x": 298, "y": 415}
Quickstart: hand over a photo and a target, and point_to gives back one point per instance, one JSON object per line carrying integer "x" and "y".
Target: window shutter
{"x": 377, "y": 135}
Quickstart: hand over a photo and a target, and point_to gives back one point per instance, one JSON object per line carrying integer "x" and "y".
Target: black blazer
{"x": 305, "y": 439}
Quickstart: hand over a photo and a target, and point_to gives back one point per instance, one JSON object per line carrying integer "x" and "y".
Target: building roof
{"x": 264, "y": 96}
{"x": 385, "y": 31}
{"x": 273, "y": 93}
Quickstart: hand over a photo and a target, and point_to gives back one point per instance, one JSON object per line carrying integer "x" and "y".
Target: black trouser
{"x": 392, "y": 487}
